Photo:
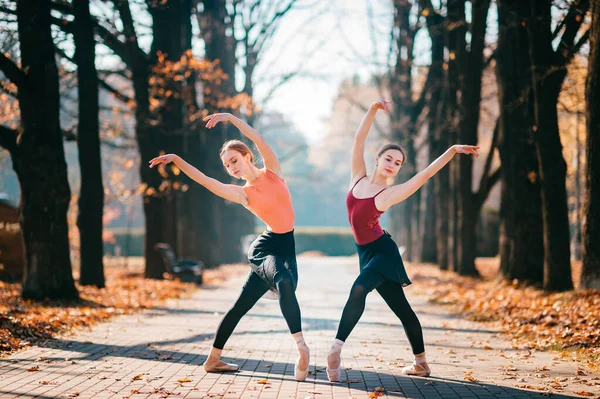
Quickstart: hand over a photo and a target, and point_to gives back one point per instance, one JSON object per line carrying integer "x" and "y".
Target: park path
{"x": 159, "y": 353}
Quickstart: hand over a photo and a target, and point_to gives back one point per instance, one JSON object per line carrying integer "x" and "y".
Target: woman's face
{"x": 235, "y": 163}
{"x": 390, "y": 162}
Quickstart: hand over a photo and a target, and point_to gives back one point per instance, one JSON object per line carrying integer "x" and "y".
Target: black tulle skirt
{"x": 272, "y": 253}
{"x": 382, "y": 255}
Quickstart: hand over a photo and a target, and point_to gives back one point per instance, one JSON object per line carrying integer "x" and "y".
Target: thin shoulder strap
{"x": 357, "y": 182}
{"x": 380, "y": 192}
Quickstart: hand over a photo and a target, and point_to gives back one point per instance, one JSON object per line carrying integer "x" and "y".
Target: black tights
{"x": 393, "y": 294}
{"x": 253, "y": 290}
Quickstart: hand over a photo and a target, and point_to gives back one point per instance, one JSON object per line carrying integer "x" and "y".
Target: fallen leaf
{"x": 186, "y": 379}
{"x": 34, "y": 368}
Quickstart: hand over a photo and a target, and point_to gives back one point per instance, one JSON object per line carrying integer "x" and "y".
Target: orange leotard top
{"x": 270, "y": 200}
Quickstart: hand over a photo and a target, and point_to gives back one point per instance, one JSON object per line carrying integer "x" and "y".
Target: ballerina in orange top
{"x": 272, "y": 255}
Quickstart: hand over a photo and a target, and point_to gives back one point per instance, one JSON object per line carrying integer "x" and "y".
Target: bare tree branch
{"x": 4, "y": 87}
{"x": 7, "y": 10}
{"x": 124, "y": 98}
{"x": 584, "y": 38}
{"x": 572, "y": 23}
{"x": 268, "y": 29}
{"x": 484, "y": 192}
{"x": 488, "y": 180}
{"x": 11, "y": 70}
{"x": 487, "y": 62}
{"x": 8, "y": 138}
{"x": 131, "y": 46}
{"x": 488, "y": 161}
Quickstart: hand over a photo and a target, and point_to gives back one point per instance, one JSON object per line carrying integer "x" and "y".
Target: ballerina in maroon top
{"x": 381, "y": 265}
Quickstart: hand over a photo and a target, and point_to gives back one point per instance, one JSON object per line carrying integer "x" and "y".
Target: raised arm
{"x": 230, "y": 192}
{"x": 358, "y": 147}
{"x": 267, "y": 154}
{"x": 400, "y": 192}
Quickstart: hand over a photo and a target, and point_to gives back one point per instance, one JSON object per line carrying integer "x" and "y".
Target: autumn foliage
{"x": 567, "y": 322}
{"x": 24, "y": 322}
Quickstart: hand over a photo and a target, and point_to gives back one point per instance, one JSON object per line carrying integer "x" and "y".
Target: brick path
{"x": 159, "y": 353}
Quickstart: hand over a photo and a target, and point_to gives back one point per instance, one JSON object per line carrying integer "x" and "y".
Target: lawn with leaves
{"x": 566, "y": 322}
{"x": 24, "y": 322}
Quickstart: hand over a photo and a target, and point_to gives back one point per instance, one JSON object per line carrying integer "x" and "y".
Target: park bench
{"x": 186, "y": 270}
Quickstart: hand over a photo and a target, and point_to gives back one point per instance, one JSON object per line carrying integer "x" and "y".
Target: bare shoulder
{"x": 354, "y": 180}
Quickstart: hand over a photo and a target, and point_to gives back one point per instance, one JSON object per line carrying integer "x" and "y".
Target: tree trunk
{"x": 172, "y": 38}
{"x": 521, "y": 244}
{"x": 590, "y": 271}
{"x": 402, "y": 124}
{"x": 546, "y": 86}
{"x": 470, "y": 75}
{"x": 39, "y": 161}
{"x": 442, "y": 222}
{"x": 454, "y": 241}
{"x": 91, "y": 196}
{"x": 435, "y": 237}
{"x": 223, "y": 243}
{"x": 429, "y": 242}
{"x": 576, "y": 240}
{"x": 147, "y": 140}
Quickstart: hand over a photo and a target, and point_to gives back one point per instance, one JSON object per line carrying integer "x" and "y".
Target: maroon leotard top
{"x": 363, "y": 217}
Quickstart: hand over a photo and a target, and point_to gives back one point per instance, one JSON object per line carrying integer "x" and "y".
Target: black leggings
{"x": 393, "y": 294}
{"x": 253, "y": 290}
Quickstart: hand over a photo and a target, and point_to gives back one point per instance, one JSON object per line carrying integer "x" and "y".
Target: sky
{"x": 330, "y": 41}
{"x": 327, "y": 43}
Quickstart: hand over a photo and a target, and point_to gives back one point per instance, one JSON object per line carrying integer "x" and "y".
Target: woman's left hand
{"x": 466, "y": 149}
{"x": 212, "y": 120}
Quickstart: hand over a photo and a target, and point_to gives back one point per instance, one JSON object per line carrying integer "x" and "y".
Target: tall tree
{"x": 217, "y": 32}
{"x": 91, "y": 196}
{"x": 470, "y": 64}
{"x": 590, "y": 271}
{"x": 521, "y": 244}
{"x": 146, "y": 133}
{"x": 38, "y": 157}
{"x": 169, "y": 54}
{"x": 403, "y": 117}
{"x": 435, "y": 238}
{"x": 435, "y": 234}
{"x": 549, "y": 69}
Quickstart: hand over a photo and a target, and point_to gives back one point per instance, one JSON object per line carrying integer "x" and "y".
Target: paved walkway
{"x": 159, "y": 353}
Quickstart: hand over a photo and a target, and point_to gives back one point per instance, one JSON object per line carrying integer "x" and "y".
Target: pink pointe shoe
{"x": 300, "y": 375}
{"x": 334, "y": 374}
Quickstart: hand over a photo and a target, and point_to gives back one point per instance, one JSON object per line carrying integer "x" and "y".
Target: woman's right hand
{"x": 381, "y": 104}
{"x": 213, "y": 119}
{"x": 162, "y": 160}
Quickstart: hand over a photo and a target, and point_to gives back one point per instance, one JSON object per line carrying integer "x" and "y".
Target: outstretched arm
{"x": 358, "y": 147}
{"x": 267, "y": 154}
{"x": 400, "y": 192}
{"x": 230, "y": 192}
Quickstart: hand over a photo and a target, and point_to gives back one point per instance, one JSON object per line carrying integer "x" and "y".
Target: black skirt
{"x": 382, "y": 255}
{"x": 272, "y": 253}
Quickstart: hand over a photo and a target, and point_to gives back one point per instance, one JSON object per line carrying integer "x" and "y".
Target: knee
{"x": 358, "y": 292}
{"x": 285, "y": 282}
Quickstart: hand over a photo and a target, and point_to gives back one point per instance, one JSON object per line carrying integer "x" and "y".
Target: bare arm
{"x": 400, "y": 192}
{"x": 358, "y": 147}
{"x": 267, "y": 154}
{"x": 230, "y": 192}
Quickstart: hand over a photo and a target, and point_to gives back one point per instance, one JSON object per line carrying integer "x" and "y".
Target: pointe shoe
{"x": 418, "y": 369}
{"x": 300, "y": 375}
{"x": 217, "y": 366}
{"x": 334, "y": 375}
